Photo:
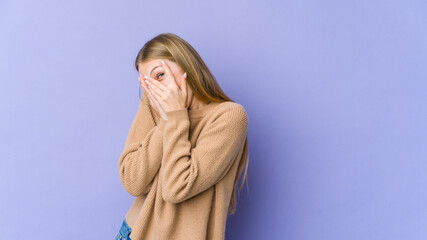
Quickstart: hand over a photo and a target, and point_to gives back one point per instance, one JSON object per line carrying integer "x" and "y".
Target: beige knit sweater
{"x": 182, "y": 170}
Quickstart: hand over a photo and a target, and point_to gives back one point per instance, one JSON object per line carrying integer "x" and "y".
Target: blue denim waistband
{"x": 124, "y": 231}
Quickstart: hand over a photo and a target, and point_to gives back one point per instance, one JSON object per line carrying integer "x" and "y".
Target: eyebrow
{"x": 153, "y": 69}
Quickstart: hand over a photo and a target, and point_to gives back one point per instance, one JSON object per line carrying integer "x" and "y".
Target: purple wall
{"x": 336, "y": 93}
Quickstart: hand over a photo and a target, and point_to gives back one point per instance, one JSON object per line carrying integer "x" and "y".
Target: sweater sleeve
{"x": 142, "y": 154}
{"x": 188, "y": 171}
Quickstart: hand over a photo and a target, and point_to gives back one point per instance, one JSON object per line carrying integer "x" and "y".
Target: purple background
{"x": 336, "y": 93}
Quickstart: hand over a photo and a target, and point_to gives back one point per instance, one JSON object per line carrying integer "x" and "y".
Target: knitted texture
{"x": 182, "y": 170}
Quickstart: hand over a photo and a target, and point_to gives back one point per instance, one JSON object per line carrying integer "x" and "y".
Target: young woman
{"x": 186, "y": 148}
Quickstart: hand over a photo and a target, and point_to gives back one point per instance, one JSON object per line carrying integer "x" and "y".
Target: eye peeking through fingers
{"x": 157, "y": 76}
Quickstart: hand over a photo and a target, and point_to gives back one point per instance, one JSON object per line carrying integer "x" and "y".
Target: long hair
{"x": 199, "y": 78}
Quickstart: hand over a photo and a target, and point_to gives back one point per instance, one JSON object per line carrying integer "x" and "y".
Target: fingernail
{"x": 185, "y": 75}
{"x": 146, "y": 80}
{"x": 163, "y": 62}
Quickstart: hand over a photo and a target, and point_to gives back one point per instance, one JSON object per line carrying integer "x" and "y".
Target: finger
{"x": 167, "y": 69}
{"x": 169, "y": 74}
{"x": 155, "y": 93}
{"x": 150, "y": 98}
{"x": 148, "y": 89}
{"x": 155, "y": 89}
{"x": 154, "y": 101}
{"x": 142, "y": 82}
{"x": 183, "y": 86}
{"x": 144, "y": 85}
{"x": 158, "y": 84}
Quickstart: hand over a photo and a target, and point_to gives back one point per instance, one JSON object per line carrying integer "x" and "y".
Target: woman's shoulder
{"x": 230, "y": 111}
{"x": 231, "y": 106}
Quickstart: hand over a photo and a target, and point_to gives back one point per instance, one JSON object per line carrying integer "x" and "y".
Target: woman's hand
{"x": 167, "y": 93}
{"x": 153, "y": 101}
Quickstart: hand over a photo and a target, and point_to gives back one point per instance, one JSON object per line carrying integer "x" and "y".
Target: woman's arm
{"x": 142, "y": 154}
{"x": 188, "y": 171}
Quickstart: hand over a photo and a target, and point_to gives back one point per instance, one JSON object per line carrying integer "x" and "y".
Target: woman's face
{"x": 154, "y": 69}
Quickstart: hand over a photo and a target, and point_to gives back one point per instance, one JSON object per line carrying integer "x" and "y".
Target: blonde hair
{"x": 199, "y": 78}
